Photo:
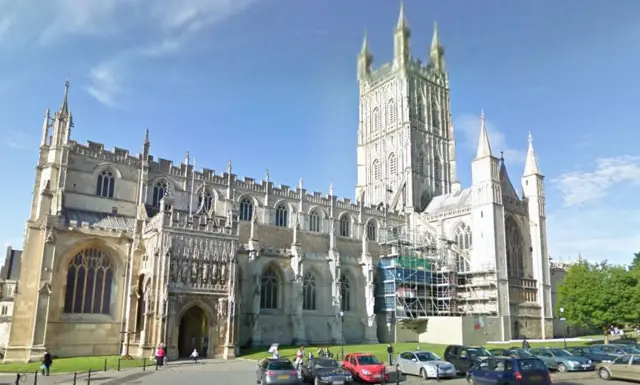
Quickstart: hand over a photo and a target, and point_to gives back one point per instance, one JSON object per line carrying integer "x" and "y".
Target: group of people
{"x": 161, "y": 355}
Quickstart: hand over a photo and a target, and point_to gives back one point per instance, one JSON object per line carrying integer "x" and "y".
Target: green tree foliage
{"x": 599, "y": 295}
{"x": 635, "y": 263}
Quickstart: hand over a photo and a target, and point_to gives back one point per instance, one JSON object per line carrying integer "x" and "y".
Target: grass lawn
{"x": 380, "y": 350}
{"x": 76, "y": 364}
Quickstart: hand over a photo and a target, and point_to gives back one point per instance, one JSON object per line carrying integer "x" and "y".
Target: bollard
{"x": 438, "y": 373}
{"x": 105, "y": 364}
{"x": 398, "y": 375}
{"x": 35, "y": 378}
{"x": 75, "y": 375}
{"x": 144, "y": 364}
{"x": 118, "y": 363}
{"x": 89, "y": 377}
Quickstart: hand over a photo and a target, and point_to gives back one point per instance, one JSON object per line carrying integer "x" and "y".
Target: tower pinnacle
{"x": 531, "y": 163}
{"x": 436, "y": 53}
{"x": 64, "y": 108}
{"x": 484, "y": 148}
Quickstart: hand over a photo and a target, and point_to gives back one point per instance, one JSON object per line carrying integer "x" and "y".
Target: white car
{"x": 425, "y": 364}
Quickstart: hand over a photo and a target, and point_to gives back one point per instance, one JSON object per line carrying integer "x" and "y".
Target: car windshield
{"x": 630, "y": 349}
{"x": 559, "y": 352}
{"x": 427, "y": 356}
{"x": 321, "y": 364}
{"x": 368, "y": 360}
{"x": 478, "y": 352}
{"x": 532, "y": 364}
{"x": 280, "y": 365}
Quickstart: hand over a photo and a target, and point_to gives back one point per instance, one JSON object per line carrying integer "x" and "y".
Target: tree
{"x": 599, "y": 295}
{"x": 635, "y": 263}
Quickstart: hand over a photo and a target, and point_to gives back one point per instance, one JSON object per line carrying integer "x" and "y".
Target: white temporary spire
{"x": 484, "y": 148}
{"x": 531, "y": 164}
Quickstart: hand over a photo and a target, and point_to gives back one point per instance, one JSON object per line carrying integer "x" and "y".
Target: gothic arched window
{"x": 89, "y": 283}
{"x": 515, "y": 248}
{"x": 105, "y": 184}
{"x": 345, "y": 293}
{"x": 159, "y": 191}
{"x": 437, "y": 169}
{"x": 420, "y": 107}
{"x": 309, "y": 292}
{"x": 421, "y": 164}
{"x": 435, "y": 114}
{"x": 207, "y": 199}
{"x": 463, "y": 237}
{"x": 269, "y": 286}
{"x": 314, "y": 222}
{"x": 463, "y": 265}
{"x": 393, "y": 165}
{"x": 345, "y": 226}
{"x": 391, "y": 111}
{"x": 246, "y": 209}
{"x": 376, "y": 120}
{"x": 376, "y": 170}
{"x": 282, "y": 216}
{"x": 372, "y": 231}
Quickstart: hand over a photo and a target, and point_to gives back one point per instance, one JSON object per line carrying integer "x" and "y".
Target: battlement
{"x": 211, "y": 177}
{"x": 415, "y": 66}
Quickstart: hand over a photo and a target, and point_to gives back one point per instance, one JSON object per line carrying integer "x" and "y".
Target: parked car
{"x": 464, "y": 357}
{"x": 325, "y": 371}
{"x": 617, "y": 350}
{"x": 278, "y": 371}
{"x": 511, "y": 352}
{"x": 562, "y": 361}
{"x": 622, "y": 368}
{"x": 509, "y": 371}
{"x": 592, "y": 354}
{"x": 365, "y": 367}
{"x": 425, "y": 364}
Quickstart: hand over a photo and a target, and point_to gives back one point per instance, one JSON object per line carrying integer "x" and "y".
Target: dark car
{"x": 276, "y": 371}
{"x": 597, "y": 356}
{"x": 464, "y": 357}
{"x": 508, "y": 371}
{"x": 617, "y": 350}
{"x": 511, "y": 352}
{"x": 325, "y": 371}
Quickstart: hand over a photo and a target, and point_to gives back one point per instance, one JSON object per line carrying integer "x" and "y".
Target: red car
{"x": 365, "y": 367}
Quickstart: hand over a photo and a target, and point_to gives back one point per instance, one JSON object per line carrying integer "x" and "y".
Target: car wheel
{"x": 562, "y": 368}
{"x": 423, "y": 373}
{"x": 604, "y": 373}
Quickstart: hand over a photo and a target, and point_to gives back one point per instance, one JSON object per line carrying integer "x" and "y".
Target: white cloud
{"x": 579, "y": 187}
{"x": 18, "y": 140}
{"x": 467, "y": 131}
{"x": 106, "y": 82}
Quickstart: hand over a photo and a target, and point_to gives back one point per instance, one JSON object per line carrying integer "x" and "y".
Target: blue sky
{"x": 272, "y": 84}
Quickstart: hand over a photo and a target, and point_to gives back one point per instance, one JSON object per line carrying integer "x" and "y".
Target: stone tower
{"x": 405, "y": 138}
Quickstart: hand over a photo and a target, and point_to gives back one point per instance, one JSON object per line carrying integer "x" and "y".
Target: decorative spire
{"x": 436, "y": 54}
{"x": 331, "y": 191}
{"x": 364, "y": 51}
{"x": 146, "y": 137}
{"x": 229, "y": 168}
{"x": 266, "y": 176}
{"x": 300, "y": 184}
{"x": 64, "y": 108}
{"x": 484, "y": 148}
{"x": 402, "y": 20}
{"x": 401, "y": 50}
{"x": 186, "y": 158}
{"x": 531, "y": 163}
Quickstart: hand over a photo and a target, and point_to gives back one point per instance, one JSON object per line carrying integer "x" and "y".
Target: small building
{"x": 9, "y": 276}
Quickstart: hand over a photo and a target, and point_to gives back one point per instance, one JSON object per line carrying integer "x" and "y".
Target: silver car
{"x": 425, "y": 364}
{"x": 276, "y": 372}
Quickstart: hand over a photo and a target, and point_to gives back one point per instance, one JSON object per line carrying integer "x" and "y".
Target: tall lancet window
{"x": 515, "y": 249}
{"x": 463, "y": 237}
{"x": 309, "y": 292}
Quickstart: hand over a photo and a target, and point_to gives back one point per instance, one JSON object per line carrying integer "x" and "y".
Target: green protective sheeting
{"x": 413, "y": 263}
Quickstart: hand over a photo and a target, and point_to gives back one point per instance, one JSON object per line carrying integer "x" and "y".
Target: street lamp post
{"x": 342, "y": 333}
{"x": 564, "y": 327}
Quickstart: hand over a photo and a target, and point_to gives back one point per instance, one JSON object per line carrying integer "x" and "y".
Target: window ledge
{"x": 87, "y": 318}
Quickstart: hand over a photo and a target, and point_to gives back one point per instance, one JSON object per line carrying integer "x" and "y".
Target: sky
{"x": 272, "y": 84}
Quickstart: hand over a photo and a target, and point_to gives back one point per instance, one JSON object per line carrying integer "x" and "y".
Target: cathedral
{"x": 124, "y": 252}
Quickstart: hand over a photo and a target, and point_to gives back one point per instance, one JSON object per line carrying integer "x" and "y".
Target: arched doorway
{"x": 193, "y": 332}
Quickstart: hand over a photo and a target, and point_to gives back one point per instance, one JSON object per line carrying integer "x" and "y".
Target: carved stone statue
{"x": 185, "y": 271}
{"x": 205, "y": 271}
{"x": 214, "y": 273}
{"x": 223, "y": 272}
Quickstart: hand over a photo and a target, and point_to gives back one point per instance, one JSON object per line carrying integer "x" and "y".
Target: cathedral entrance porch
{"x": 193, "y": 332}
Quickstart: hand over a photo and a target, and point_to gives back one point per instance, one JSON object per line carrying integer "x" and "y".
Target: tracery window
{"x": 159, "y": 191}
{"x": 371, "y": 231}
{"x": 437, "y": 169}
{"x": 376, "y": 120}
{"x": 435, "y": 114}
{"x": 246, "y": 209}
{"x": 105, "y": 184}
{"x": 463, "y": 264}
{"x": 376, "y": 170}
{"x": 282, "y": 216}
{"x": 207, "y": 199}
{"x": 393, "y": 165}
{"x": 309, "y": 292}
{"x": 345, "y": 293}
{"x": 392, "y": 111}
{"x": 89, "y": 283}
{"x": 269, "y": 289}
{"x": 420, "y": 107}
{"x": 314, "y": 221}
{"x": 515, "y": 247}
{"x": 345, "y": 226}
{"x": 463, "y": 237}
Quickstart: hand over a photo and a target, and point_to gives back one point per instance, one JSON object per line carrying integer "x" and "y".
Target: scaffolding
{"x": 415, "y": 278}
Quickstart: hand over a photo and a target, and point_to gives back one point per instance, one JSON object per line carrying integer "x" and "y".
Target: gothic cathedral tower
{"x": 406, "y": 147}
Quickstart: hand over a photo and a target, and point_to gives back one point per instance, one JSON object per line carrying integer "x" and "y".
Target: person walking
{"x": 194, "y": 355}
{"x": 525, "y": 343}
{"x": 161, "y": 354}
{"x": 390, "y": 353}
{"x": 47, "y": 361}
